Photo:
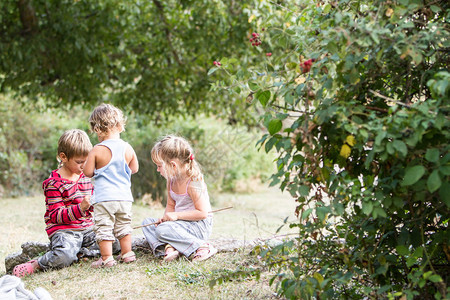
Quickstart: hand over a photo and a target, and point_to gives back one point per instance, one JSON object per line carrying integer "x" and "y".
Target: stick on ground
{"x": 213, "y": 211}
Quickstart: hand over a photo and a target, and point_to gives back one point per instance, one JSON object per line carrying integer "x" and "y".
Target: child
{"x": 187, "y": 220}
{"x": 111, "y": 163}
{"x": 68, "y": 211}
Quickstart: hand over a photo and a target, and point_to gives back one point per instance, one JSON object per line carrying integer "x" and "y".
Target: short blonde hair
{"x": 106, "y": 117}
{"x": 74, "y": 142}
{"x": 172, "y": 147}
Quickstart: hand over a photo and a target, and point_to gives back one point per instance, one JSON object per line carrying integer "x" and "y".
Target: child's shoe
{"x": 204, "y": 252}
{"x": 25, "y": 269}
{"x": 128, "y": 257}
{"x": 171, "y": 253}
{"x": 108, "y": 263}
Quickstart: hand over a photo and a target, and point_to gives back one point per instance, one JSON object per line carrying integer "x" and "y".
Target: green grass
{"x": 256, "y": 215}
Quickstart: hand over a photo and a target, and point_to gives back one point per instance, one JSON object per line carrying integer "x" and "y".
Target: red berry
{"x": 254, "y": 34}
{"x": 269, "y": 54}
{"x": 262, "y": 29}
{"x": 251, "y": 40}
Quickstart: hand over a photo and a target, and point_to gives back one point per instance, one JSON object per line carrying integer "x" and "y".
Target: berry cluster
{"x": 269, "y": 54}
{"x": 217, "y": 63}
{"x": 306, "y": 65}
{"x": 255, "y": 40}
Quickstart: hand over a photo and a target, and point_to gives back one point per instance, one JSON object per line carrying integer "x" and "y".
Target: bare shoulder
{"x": 196, "y": 185}
{"x": 100, "y": 149}
{"x": 129, "y": 153}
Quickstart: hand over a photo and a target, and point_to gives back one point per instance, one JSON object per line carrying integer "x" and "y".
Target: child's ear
{"x": 173, "y": 164}
{"x": 63, "y": 157}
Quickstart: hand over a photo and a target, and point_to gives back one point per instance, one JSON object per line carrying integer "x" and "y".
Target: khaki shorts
{"x": 112, "y": 220}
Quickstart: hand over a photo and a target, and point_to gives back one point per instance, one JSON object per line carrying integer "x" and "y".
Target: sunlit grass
{"x": 256, "y": 215}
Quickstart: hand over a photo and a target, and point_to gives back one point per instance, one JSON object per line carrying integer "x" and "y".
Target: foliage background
{"x": 355, "y": 98}
{"x": 29, "y": 140}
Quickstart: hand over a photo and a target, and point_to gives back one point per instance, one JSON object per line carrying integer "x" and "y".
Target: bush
{"x": 29, "y": 144}
{"x": 226, "y": 153}
{"x": 366, "y": 155}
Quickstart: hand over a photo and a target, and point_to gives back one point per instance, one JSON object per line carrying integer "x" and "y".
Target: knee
{"x": 64, "y": 258}
{"x": 162, "y": 231}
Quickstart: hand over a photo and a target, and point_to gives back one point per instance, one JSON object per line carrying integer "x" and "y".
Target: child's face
{"x": 160, "y": 168}
{"x": 75, "y": 164}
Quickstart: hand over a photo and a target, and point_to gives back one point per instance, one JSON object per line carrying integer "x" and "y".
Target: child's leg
{"x": 122, "y": 227}
{"x": 150, "y": 236}
{"x": 104, "y": 225}
{"x": 64, "y": 247}
{"x": 184, "y": 236}
{"x": 105, "y": 249}
{"x": 125, "y": 244}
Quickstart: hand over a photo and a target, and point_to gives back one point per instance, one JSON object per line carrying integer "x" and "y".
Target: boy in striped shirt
{"x": 67, "y": 217}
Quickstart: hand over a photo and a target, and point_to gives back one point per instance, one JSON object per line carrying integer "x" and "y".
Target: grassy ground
{"x": 256, "y": 215}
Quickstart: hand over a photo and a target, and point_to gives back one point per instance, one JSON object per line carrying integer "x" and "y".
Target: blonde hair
{"x": 106, "y": 117}
{"x": 74, "y": 142}
{"x": 172, "y": 147}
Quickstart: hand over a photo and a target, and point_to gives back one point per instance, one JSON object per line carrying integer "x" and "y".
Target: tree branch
{"x": 28, "y": 17}
{"x": 166, "y": 29}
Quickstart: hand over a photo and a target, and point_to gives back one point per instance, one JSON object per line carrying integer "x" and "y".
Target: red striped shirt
{"x": 62, "y": 199}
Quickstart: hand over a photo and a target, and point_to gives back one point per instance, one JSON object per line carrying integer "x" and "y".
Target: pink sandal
{"x": 24, "y": 269}
{"x": 171, "y": 253}
{"x": 108, "y": 263}
{"x": 127, "y": 258}
{"x": 204, "y": 252}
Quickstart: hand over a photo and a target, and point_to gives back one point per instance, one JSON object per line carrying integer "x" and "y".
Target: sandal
{"x": 204, "y": 252}
{"x": 170, "y": 253}
{"x": 128, "y": 257}
{"x": 108, "y": 263}
{"x": 24, "y": 269}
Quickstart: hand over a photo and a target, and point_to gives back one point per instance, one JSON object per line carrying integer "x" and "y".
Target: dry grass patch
{"x": 256, "y": 215}
{"x": 148, "y": 278}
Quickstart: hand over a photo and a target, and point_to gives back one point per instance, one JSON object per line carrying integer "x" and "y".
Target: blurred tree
{"x": 149, "y": 56}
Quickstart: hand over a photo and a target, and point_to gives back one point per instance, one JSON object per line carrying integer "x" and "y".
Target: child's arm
{"x": 132, "y": 160}
{"x": 58, "y": 210}
{"x": 89, "y": 167}
{"x": 201, "y": 202}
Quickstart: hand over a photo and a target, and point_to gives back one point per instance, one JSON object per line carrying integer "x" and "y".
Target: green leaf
{"x": 413, "y": 174}
{"x": 318, "y": 277}
{"x": 322, "y": 212}
{"x": 402, "y": 250}
{"x": 303, "y": 190}
{"x": 367, "y": 207}
{"x": 212, "y": 70}
{"x": 263, "y": 97}
{"x": 270, "y": 143}
{"x": 434, "y": 181}
{"x": 435, "y": 278}
{"x": 275, "y": 125}
{"x": 306, "y": 213}
{"x": 445, "y": 170}
{"x": 401, "y": 147}
{"x": 432, "y": 155}
{"x": 444, "y": 193}
{"x": 253, "y": 86}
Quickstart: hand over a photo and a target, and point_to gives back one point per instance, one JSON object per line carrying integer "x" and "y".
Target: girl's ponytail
{"x": 193, "y": 169}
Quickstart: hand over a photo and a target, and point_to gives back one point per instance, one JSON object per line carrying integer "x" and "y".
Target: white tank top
{"x": 183, "y": 202}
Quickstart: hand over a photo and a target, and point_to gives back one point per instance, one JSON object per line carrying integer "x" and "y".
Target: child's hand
{"x": 86, "y": 203}
{"x": 170, "y": 216}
